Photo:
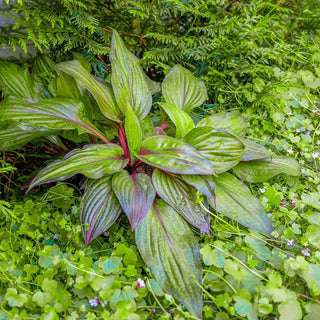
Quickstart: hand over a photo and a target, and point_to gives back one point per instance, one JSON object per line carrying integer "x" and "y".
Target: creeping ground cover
{"x": 165, "y": 172}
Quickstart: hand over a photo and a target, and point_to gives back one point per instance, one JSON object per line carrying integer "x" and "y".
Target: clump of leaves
{"x": 153, "y": 172}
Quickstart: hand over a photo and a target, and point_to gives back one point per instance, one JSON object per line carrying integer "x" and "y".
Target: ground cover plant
{"x": 154, "y": 178}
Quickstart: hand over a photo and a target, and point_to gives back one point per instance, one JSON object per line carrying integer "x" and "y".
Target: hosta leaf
{"x": 182, "y": 197}
{"x": 147, "y": 127}
{"x": 135, "y": 194}
{"x": 133, "y": 133}
{"x": 12, "y": 138}
{"x": 259, "y": 171}
{"x": 50, "y": 114}
{"x": 128, "y": 79}
{"x": 222, "y": 149}
{"x": 93, "y": 161}
{"x": 234, "y": 200}
{"x": 172, "y": 253}
{"x": 17, "y": 82}
{"x": 183, "y": 90}
{"x": 174, "y": 156}
{"x": 180, "y": 118}
{"x": 254, "y": 151}
{"x": 225, "y": 120}
{"x": 100, "y": 208}
{"x": 101, "y": 93}
{"x": 204, "y": 184}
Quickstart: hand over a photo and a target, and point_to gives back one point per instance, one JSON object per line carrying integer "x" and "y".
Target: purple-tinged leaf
{"x": 48, "y": 114}
{"x": 135, "y": 194}
{"x": 225, "y": 120}
{"x": 234, "y": 200}
{"x": 204, "y": 184}
{"x": 183, "y": 90}
{"x": 171, "y": 251}
{"x": 221, "y": 148}
{"x": 100, "y": 208}
{"x": 262, "y": 170}
{"x": 129, "y": 83}
{"x": 93, "y": 161}
{"x": 254, "y": 151}
{"x": 174, "y": 156}
{"x": 182, "y": 197}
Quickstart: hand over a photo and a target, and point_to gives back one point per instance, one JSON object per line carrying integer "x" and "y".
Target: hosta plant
{"x": 153, "y": 172}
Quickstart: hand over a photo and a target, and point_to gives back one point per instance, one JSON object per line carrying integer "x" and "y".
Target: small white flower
{"x": 140, "y": 283}
{"x": 306, "y": 252}
{"x": 315, "y": 155}
{"x": 94, "y": 302}
{"x": 290, "y": 242}
{"x": 298, "y": 130}
{"x": 289, "y": 113}
{"x": 290, "y": 151}
{"x": 263, "y": 189}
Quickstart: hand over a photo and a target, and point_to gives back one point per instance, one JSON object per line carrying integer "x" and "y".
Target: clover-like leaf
{"x": 171, "y": 251}
{"x": 174, "y": 156}
{"x": 259, "y": 171}
{"x": 234, "y": 200}
{"x": 135, "y": 193}
{"x": 100, "y": 208}
{"x": 93, "y": 161}
{"x": 221, "y": 148}
{"x": 225, "y": 120}
{"x": 183, "y": 90}
{"x": 182, "y": 197}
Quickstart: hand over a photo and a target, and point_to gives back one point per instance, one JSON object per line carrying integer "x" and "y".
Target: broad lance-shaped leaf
{"x": 204, "y": 184}
{"x": 12, "y": 138}
{"x": 50, "y": 114}
{"x": 93, "y": 161}
{"x": 128, "y": 80}
{"x": 182, "y": 197}
{"x": 174, "y": 156}
{"x": 135, "y": 194}
{"x": 222, "y": 149}
{"x": 100, "y": 208}
{"x": 133, "y": 133}
{"x": 147, "y": 127}
{"x": 183, "y": 90}
{"x": 180, "y": 118}
{"x": 225, "y": 120}
{"x": 254, "y": 151}
{"x": 234, "y": 200}
{"x": 101, "y": 93}
{"x": 171, "y": 251}
{"x": 17, "y": 82}
{"x": 259, "y": 171}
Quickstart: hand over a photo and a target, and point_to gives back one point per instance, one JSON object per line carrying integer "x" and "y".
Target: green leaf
{"x": 12, "y": 138}
{"x": 174, "y": 156}
{"x": 67, "y": 87}
{"x": 128, "y": 79}
{"x": 312, "y": 277}
{"x": 222, "y": 149}
{"x": 93, "y": 161}
{"x": 203, "y": 184}
{"x": 101, "y": 93}
{"x": 180, "y": 118}
{"x": 254, "y": 151}
{"x": 172, "y": 253}
{"x": 234, "y": 200}
{"x": 50, "y": 114}
{"x": 14, "y": 298}
{"x": 183, "y": 90}
{"x": 259, "y": 171}
{"x": 135, "y": 194}
{"x": 17, "y": 82}
{"x": 133, "y": 133}
{"x": 182, "y": 197}
{"x": 290, "y": 309}
{"x": 147, "y": 127}
{"x": 99, "y": 208}
{"x": 225, "y": 120}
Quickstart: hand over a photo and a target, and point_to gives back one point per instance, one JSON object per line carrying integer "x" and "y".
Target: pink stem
{"x": 123, "y": 141}
{"x": 91, "y": 138}
{"x": 163, "y": 125}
